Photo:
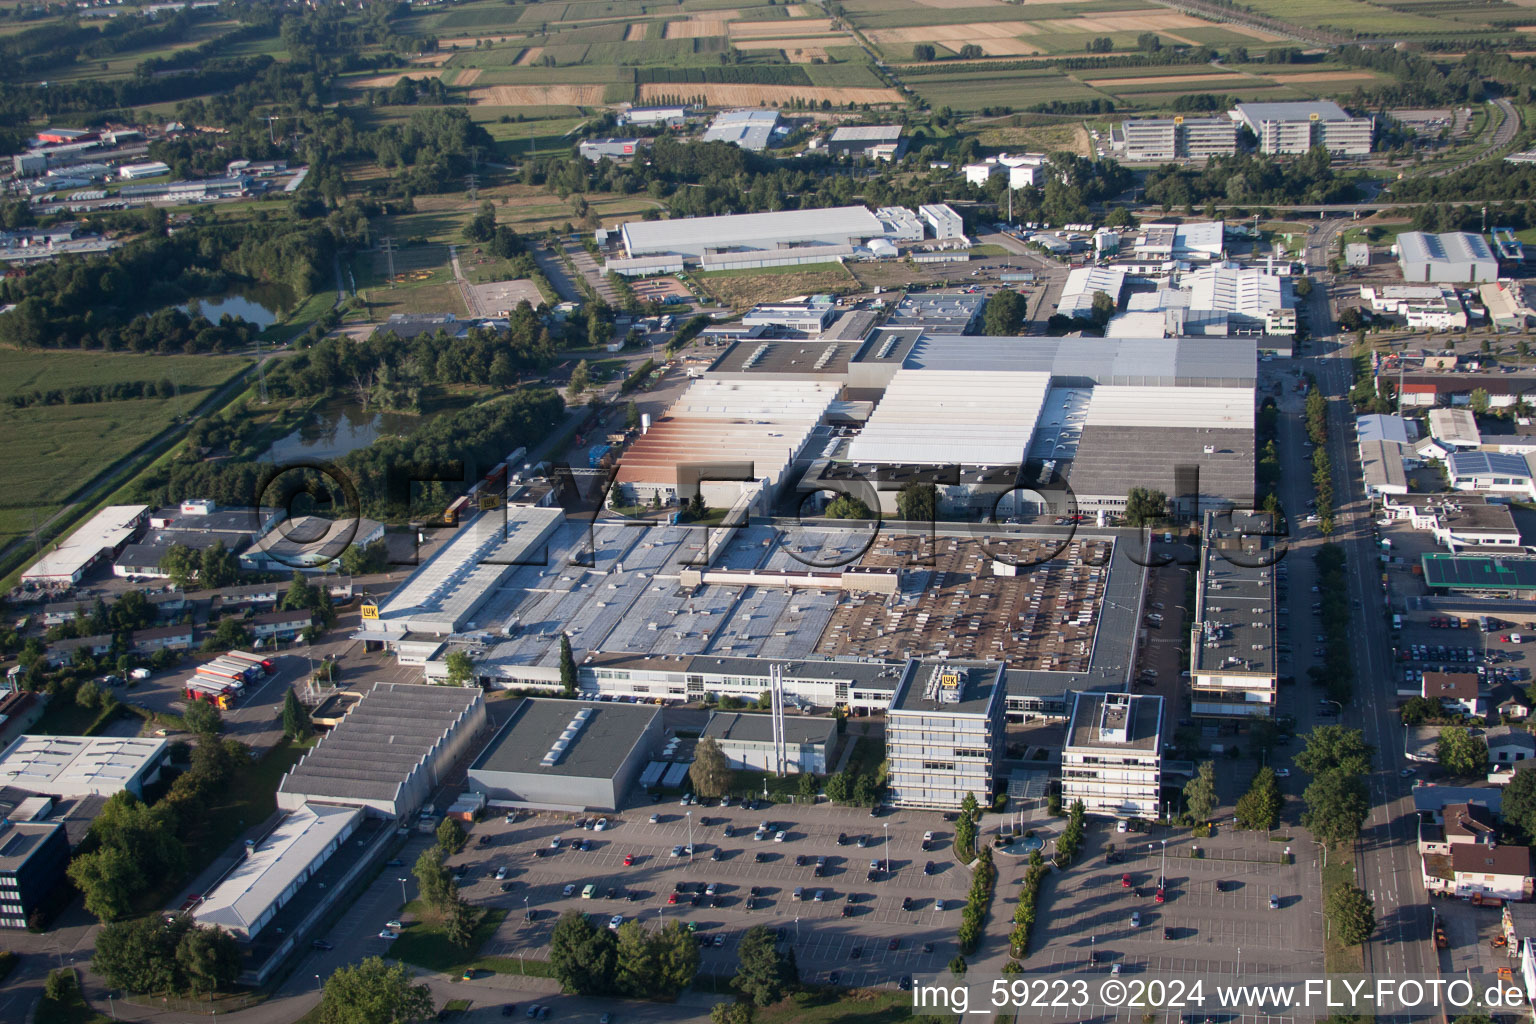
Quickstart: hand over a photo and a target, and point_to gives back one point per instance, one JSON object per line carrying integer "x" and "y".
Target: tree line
{"x": 384, "y": 366}
{"x": 1249, "y": 179}
{"x": 98, "y": 302}
{"x": 479, "y": 436}
{"x": 86, "y": 394}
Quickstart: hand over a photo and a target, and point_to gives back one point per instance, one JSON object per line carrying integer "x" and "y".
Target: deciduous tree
{"x": 1353, "y": 913}
{"x": 710, "y": 772}
{"x": 373, "y": 992}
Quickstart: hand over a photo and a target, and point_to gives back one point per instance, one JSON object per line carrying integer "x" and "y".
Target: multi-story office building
{"x": 33, "y": 855}
{"x": 1179, "y": 138}
{"x": 944, "y": 733}
{"x": 1297, "y": 127}
{"x": 1232, "y": 642}
{"x": 1112, "y": 760}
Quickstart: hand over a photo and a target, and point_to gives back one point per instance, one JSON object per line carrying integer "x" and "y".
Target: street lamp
{"x": 887, "y": 826}
{"x": 403, "y": 897}
{"x": 525, "y": 909}
{"x": 690, "y": 837}
{"x": 317, "y": 983}
{"x": 1162, "y": 872}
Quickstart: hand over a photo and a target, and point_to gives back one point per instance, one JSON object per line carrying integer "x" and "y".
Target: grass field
{"x": 838, "y": 1006}
{"x": 741, "y": 289}
{"x": 1352, "y": 16}
{"x": 1019, "y": 89}
{"x": 51, "y": 450}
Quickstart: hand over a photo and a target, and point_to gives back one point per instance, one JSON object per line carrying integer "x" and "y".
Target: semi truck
{"x": 221, "y": 697}
{"x": 265, "y": 664}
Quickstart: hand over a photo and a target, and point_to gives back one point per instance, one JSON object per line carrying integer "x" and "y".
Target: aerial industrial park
{"x": 790, "y": 512}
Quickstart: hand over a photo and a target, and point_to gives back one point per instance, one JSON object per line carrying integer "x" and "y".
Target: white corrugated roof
{"x": 750, "y": 230}
{"x": 76, "y": 765}
{"x": 302, "y": 839}
{"x": 964, "y": 417}
{"x": 108, "y": 528}
{"x": 1205, "y": 408}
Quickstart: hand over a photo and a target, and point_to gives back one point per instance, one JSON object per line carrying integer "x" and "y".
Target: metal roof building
{"x": 444, "y": 593}
{"x": 1086, "y": 362}
{"x": 1452, "y": 257}
{"x": 76, "y": 766}
{"x": 749, "y": 129}
{"x": 1456, "y": 427}
{"x": 398, "y": 744}
{"x": 103, "y": 535}
{"x": 880, "y": 141}
{"x": 274, "y": 869}
{"x": 1085, "y": 282}
{"x": 567, "y": 754}
{"x": 970, "y": 417}
{"x": 762, "y": 422}
{"x": 776, "y": 230}
{"x": 1383, "y": 427}
{"x": 747, "y": 740}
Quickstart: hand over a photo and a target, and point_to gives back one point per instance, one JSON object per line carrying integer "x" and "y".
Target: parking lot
{"x": 856, "y": 947}
{"x": 1210, "y": 932}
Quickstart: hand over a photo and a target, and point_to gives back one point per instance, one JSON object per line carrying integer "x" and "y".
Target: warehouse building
{"x": 750, "y": 129}
{"x": 1174, "y": 414}
{"x": 1112, "y": 759}
{"x": 134, "y": 172}
{"x": 79, "y": 766}
{"x": 747, "y": 740}
{"x": 443, "y": 595}
{"x": 1453, "y": 257}
{"x": 611, "y": 148}
{"x": 1295, "y": 127}
{"x": 944, "y": 734}
{"x": 1179, "y": 138}
{"x": 761, "y": 426}
{"x": 1232, "y": 639}
{"x": 666, "y": 117}
{"x": 753, "y": 232}
{"x": 567, "y": 755}
{"x": 398, "y": 744}
{"x": 1083, "y": 283}
{"x": 275, "y": 868}
{"x": 309, "y": 543}
{"x": 1492, "y": 473}
{"x": 937, "y": 313}
{"x": 876, "y": 142}
{"x": 1198, "y": 241}
{"x": 104, "y": 535}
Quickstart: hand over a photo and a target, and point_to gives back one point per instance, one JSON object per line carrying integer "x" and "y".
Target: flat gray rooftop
{"x": 788, "y": 356}
{"x": 1111, "y": 459}
{"x": 759, "y": 728}
{"x": 1140, "y": 719}
{"x": 1080, "y": 362}
{"x": 1236, "y": 609}
{"x": 919, "y": 689}
{"x": 601, "y": 744}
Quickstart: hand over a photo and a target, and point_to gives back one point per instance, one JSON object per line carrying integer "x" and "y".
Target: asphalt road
{"x": 1386, "y": 853}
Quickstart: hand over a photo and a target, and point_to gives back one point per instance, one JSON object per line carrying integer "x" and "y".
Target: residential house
{"x": 1507, "y": 745}
{"x": 279, "y": 625}
{"x": 1460, "y": 824}
{"x": 64, "y": 652}
{"x": 1458, "y": 692}
{"x": 1515, "y": 708}
{"x": 172, "y": 638}
{"x": 1502, "y": 872}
